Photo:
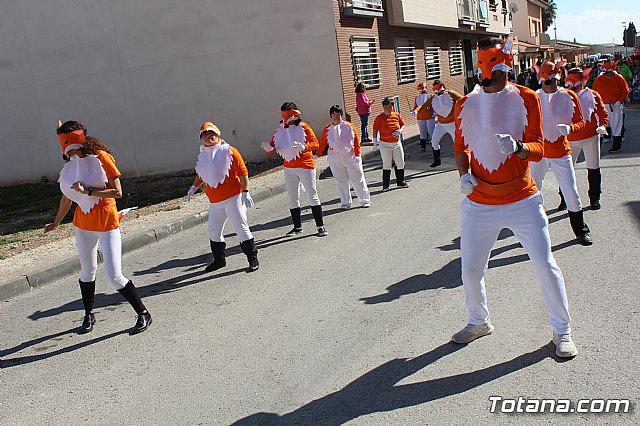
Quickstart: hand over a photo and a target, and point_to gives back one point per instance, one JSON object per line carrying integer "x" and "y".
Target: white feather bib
{"x": 214, "y": 163}
{"x": 483, "y": 115}
{"x": 557, "y": 108}
{"x": 284, "y": 139}
{"x": 588, "y": 104}
{"x": 442, "y": 104}
{"x": 340, "y": 138}
{"x": 90, "y": 173}
{"x": 422, "y": 98}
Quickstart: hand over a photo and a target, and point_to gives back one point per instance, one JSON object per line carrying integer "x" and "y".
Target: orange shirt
{"x": 599, "y": 117}
{"x": 104, "y": 215}
{"x": 561, "y": 147}
{"x": 425, "y": 111}
{"x": 305, "y": 159}
{"x": 612, "y": 89}
{"x": 511, "y": 181}
{"x": 324, "y": 140}
{"x": 386, "y": 125}
{"x": 231, "y": 186}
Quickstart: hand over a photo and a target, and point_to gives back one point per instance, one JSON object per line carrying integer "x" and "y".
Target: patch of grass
{"x": 9, "y": 240}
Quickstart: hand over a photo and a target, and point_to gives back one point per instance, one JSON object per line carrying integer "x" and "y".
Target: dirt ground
{"x": 25, "y": 209}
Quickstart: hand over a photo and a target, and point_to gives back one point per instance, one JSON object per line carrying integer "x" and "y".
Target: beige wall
{"x": 435, "y": 13}
{"x": 143, "y": 74}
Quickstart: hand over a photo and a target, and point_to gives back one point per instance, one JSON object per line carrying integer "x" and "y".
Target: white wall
{"x": 143, "y": 74}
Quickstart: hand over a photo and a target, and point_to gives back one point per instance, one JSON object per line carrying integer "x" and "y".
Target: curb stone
{"x": 34, "y": 279}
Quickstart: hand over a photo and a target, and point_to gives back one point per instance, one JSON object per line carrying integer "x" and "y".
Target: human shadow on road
{"x": 13, "y": 362}
{"x": 376, "y": 391}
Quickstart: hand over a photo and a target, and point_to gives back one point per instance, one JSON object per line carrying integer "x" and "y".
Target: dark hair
{"x": 360, "y": 87}
{"x": 490, "y": 42}
{"x": 575, "y": 70}
{"x": 386, "y": 100}
{"x": 92, "y": 145}
{"x": 335, "y": 108}
{"x": 436, "y": 82}
{"x": 286, "y": 107}
{"x": 71, "y": 126}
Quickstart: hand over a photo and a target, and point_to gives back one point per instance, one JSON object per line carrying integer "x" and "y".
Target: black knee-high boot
{"x": 595, "y": 187}
{"x": 580, "y": 228}
{"x": 386, "y": 179}
{"x": 130, "y": 293}
{"x": 219, "y": 258}
{"x": 88, "y": 291}
{"x": 563, "y": 204}
{"x": 249, "y": 249}
{"x": 423, "y": 144}
{"x": 296, "y": 217}
{"x": 317, "y": 216}
{"x": 436, "y": 158}
{"x": 617, "y": 144}
{"x": 400, "y": 178}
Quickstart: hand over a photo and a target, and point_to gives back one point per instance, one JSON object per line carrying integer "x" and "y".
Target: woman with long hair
{"x": 363, "y": 108}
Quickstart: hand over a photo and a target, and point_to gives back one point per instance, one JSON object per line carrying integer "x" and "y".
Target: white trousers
{"x": 562, "y": 169}
{"x": 615, "y": 119}
{"x": 233, "y": 209}
{"x": 346, "y": 170}
{"x": 111, "y": 243}
{"x": 426, "y": 128}
{"x": 479, "y": 230}
{"x": 439, "y": 131}
{"x": 591, "y": 149}
{"x": 392, "y": 153}
{"x": 292, "y": 180}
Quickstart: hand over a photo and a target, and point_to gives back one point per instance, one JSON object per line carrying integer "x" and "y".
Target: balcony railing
{"x": 371, "y": 8}
{"x": 474, "y": 12}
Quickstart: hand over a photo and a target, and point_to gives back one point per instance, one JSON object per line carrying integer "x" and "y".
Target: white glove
{"x": 300, "y": 145}
{"x": 564, "y": 129}
{"x": 467, "y": 183}
{"x": 267, "y": 146}
{"x": 397, "y": 133}
{"x": 376, "y": 144}
{"x": 601, "y": 130}
{"x": 247, "y": 200}
{"x": 192, "y": 191}
{"x": 413, "y": 113}
{"x": 506, "y": 143}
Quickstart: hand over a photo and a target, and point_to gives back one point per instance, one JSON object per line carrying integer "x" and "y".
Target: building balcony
{"x": 367, "y": 8}
{"x": 473, "y": 12}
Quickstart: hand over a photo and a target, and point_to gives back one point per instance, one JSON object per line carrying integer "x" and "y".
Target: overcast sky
{"x": 594, "y": 21}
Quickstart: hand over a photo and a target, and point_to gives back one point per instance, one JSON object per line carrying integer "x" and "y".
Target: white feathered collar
{"x": 557, "y": 108}
{"x": 214, "y": 163}
{"x": 442, "y": 104}
{"x": 284, "y": 141}
{"x": 89, "y": 172}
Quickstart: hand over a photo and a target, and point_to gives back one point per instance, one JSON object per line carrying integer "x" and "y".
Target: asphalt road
{"x": 352, "y": 328}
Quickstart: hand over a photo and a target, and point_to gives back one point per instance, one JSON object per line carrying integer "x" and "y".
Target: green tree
{"x": 548, "y": 15}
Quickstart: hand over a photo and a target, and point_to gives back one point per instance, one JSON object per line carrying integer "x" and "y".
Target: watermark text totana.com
{"x": 524, "y": 405}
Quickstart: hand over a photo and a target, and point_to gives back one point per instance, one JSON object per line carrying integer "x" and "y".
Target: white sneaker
{"x": 471, "y": 332}
{"x": 345, "y": 206}
{"x": 366, "y": 204}
{"x": 564, "y": 345}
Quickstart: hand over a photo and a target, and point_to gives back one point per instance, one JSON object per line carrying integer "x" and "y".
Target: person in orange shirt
{"x": 613, "y": 89}
{"x": 498, "y": 134}
{"x": 226, "y": 182}
{"x": 389, "y": 126}
{"x": 424, "y": 116}
{"x": 443, "y": 103}
{"x": 587, "y": 140}
{"x": 91, "y": 179}
{"x": 561, "y": 116}
{"x": 295, "y": 142}
{"x": 344, "y": 158}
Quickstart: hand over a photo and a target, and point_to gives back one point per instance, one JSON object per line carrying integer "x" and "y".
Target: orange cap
{"x": 289, "y": 114}
{"x": 208, "y": 125}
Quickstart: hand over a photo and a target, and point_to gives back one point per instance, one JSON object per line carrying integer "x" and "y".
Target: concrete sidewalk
{"x": 34, "y": 279}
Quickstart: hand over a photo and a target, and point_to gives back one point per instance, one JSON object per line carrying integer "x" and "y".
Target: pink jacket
{"x": 363, "y": 104}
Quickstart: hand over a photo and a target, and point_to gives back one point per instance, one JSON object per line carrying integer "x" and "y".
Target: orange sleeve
{"x": 237, "y": 164}
{"x": 322, "y": 144}
{"x": 601, "y": 111}
{"x": 377, "y": 123}
{"x": 533, "y": 131}
{"x": 400, "y": 120}
{"x": 577, "y": 121}
{"x": 311, "y": 140}
{"x": 455, "y": 95}
{"x": 356, "y": 141}
{"x": 459, "y": 146}
{"x": 108, "y": 164}
{"x": 624, "y": 89}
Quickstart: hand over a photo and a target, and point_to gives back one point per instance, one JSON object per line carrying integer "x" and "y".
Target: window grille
{"x": 406, "y": 64}
{"x": 455, "y": 58}
{"x": 364, "y": 54}
{"x": 375, "y": 5}
{"x": 432, "y": 62}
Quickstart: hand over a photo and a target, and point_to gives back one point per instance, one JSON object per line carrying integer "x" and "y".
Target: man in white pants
{"x": 424, "y": 115}
{"x": 561, "y": 116}
{"x": 344, "y": 158}
{"x": 587, "y": 140}
{"x": 387, "y": 129}
{"x": 498, "y": 132}
{"x": 613, "y": 89}
{"x": 443, "y": 103}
